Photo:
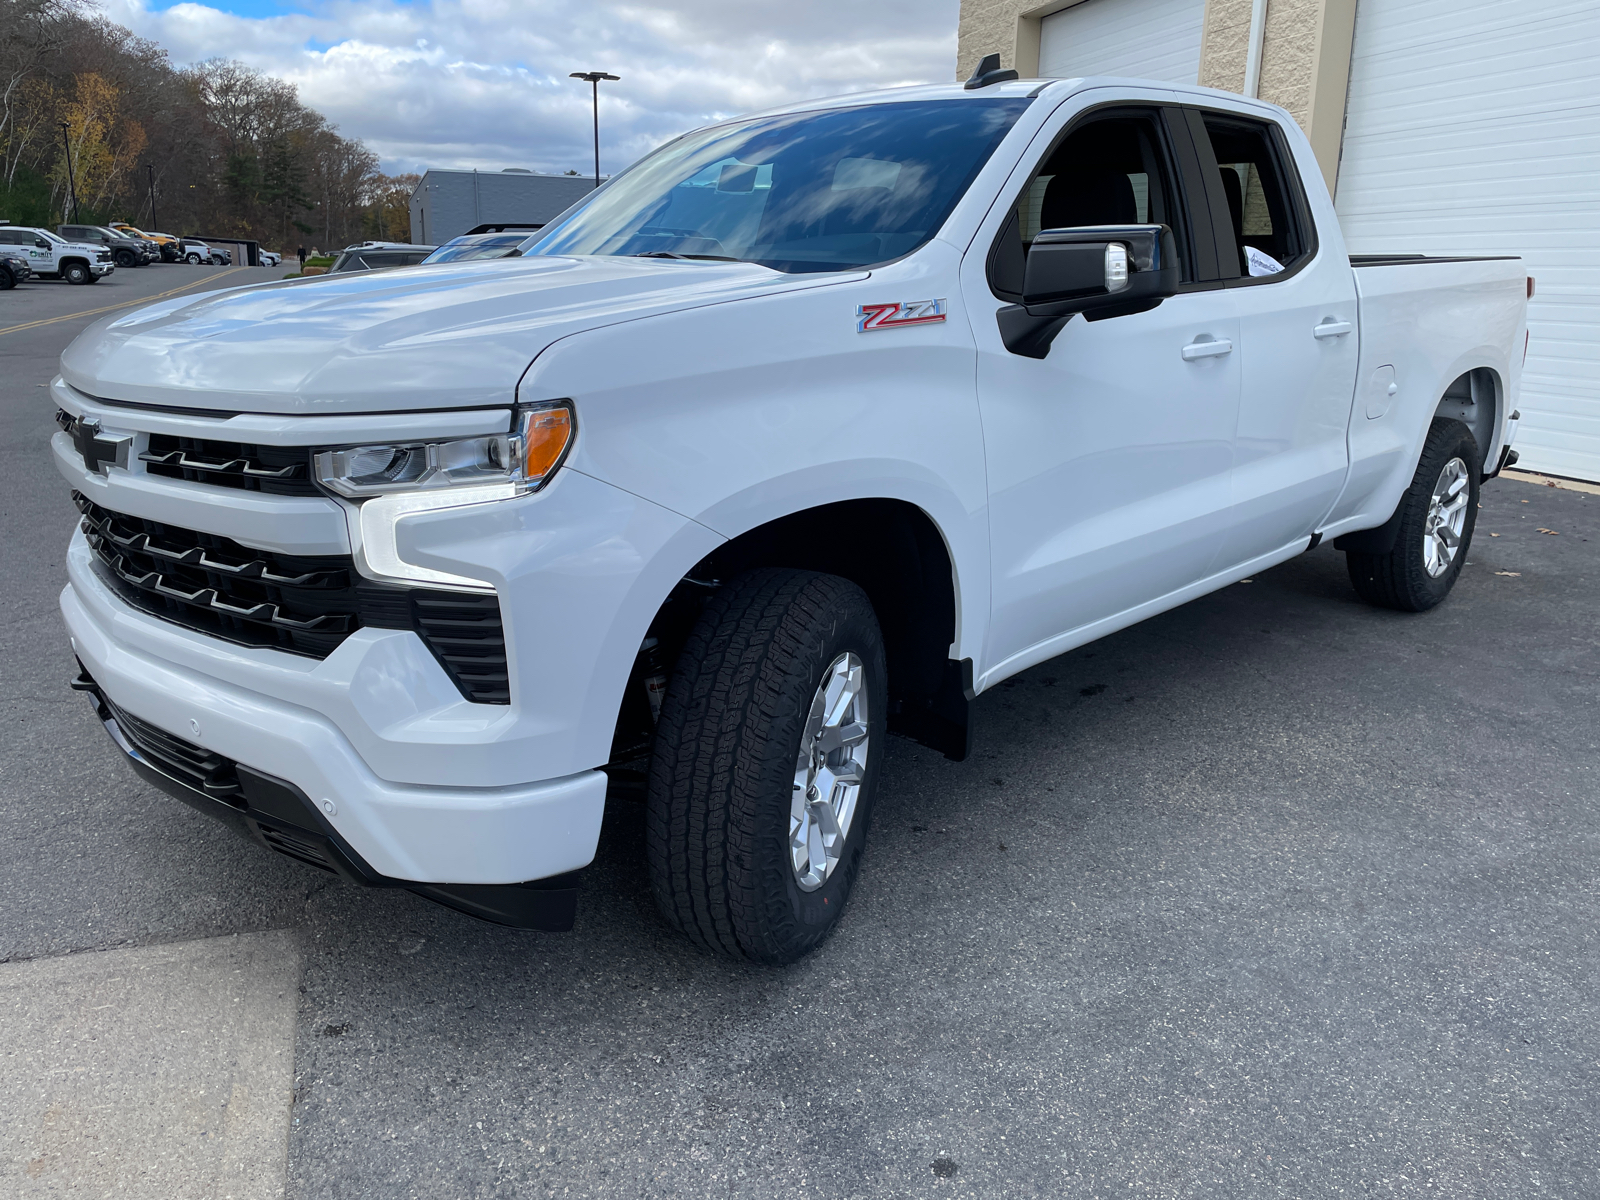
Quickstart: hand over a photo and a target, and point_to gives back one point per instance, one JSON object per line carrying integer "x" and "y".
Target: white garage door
{"x": 1474, "y": 127}
{"x": 1147, "y": 39}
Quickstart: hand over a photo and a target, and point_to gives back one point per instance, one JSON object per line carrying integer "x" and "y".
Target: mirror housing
{"x": 1099, "y": 270}
{"x": 41, "y": 243}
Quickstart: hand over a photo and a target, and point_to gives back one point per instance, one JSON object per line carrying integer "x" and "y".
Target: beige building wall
{"x": 1305, "y": 54}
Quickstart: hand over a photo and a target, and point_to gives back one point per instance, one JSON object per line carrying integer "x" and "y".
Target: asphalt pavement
{"x": 1275, "y": 895}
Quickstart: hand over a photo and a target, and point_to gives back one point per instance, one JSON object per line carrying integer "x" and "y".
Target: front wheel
{"x": 193, "y": 260}
{"x": 76, "y": 273}
{"x": 1436, "y": 518}
{"x": 765, "y": 764}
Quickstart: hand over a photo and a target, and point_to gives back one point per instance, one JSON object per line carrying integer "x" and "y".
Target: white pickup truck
{"x": 801, "y": 432}
{"x": 53, "y": 257}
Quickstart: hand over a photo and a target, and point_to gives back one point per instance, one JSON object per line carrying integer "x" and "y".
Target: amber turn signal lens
{"x": 546, "y": 434}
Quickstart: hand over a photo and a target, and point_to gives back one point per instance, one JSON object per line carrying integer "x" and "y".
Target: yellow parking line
{"x": 94, "y": 312}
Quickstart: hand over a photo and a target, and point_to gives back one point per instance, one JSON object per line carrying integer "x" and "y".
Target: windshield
{"x": 815, "y": 191}
{"x": 499, "y": 245}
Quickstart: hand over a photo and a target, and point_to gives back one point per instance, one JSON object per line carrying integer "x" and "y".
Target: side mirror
{"x": 41, "y": 243}
{"x": 1100, "y": 271}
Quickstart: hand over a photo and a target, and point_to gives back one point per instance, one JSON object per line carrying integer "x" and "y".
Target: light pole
{"x": 150, "y": 174}
{"x": 594, "y": 78}
{"x": 72, "y": 192}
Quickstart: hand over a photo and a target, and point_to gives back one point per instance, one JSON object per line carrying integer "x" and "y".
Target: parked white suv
{"x": 801, "y": 432}
{"x": 53, "y": 257}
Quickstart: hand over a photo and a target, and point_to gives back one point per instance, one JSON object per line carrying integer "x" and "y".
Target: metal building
{"x": 448, "y": 203}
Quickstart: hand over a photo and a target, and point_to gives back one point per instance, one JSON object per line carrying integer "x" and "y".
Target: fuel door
{"x": 1381, "y": 389}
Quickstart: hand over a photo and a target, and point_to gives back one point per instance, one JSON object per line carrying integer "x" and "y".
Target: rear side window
{"x": 1265, "y": 204}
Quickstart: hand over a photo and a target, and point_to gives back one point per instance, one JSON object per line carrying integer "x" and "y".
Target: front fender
{"x": 734, "y": 415}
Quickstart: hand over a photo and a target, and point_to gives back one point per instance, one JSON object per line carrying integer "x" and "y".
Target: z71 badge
{"x": 892, "y": 316}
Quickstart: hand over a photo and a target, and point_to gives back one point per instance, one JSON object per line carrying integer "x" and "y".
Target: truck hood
{"x": 457, "y": 335}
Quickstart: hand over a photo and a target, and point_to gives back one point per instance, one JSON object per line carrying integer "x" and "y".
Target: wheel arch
{"x": 896, "y": 553}
{"x": 1476, "y": 398}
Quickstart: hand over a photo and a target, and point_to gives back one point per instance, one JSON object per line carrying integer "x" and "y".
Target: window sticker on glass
{"x": 1261, "y": 263}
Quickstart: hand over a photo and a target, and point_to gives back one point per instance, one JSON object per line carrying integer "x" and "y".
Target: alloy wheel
{"x": 1447, "y": 518}
{"x": 829, "y": 772}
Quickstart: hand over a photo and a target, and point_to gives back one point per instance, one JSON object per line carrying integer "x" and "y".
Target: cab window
{"x": 1114, "y": 170}
{"x": 1264, "y": 201}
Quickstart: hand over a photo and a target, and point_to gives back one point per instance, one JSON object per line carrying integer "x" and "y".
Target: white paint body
{"x": 1075, "y": 494}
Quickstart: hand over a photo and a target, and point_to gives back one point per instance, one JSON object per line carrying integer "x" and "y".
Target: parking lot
{"x": 1275, "y": 895}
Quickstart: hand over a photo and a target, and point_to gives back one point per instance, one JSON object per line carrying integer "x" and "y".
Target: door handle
{"x": 1330, "y": 329}
{"x": 1207, "y": 348}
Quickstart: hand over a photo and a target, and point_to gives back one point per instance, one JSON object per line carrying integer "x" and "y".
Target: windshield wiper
{"x": 671, "y": 254}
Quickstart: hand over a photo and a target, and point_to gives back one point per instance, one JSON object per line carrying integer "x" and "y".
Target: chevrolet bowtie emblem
{"x": 100, "y": 451}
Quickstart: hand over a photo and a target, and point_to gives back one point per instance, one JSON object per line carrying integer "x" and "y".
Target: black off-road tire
{"x": 126, "y": 259}
{"x": 77, "y": 273}
{"x": 723, "y": 764}
{"x": 1400, "y": 579}
{"x": 7, "y": 280}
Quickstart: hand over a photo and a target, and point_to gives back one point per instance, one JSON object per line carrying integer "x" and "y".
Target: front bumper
{"x": 410, "y": 833}
{"x": 282, "y": 818}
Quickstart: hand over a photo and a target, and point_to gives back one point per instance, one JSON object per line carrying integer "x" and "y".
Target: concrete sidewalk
{"x": 163, "y": 1072}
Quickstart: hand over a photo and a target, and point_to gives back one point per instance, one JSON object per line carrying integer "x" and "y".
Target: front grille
{"x": 201, "y": 769}
{"x": 276, "y": 470}
{"x": 307, "y": 605}
{"x": 302, "y": 604}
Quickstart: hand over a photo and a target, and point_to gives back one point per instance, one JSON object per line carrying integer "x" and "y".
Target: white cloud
{"x": 483, "y": 83}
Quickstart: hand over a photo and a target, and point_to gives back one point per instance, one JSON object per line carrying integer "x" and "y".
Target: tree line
{"x": 92, "y": 115}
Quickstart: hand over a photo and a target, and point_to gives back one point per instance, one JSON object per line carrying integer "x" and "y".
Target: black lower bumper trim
{"x": 272, "y": 812}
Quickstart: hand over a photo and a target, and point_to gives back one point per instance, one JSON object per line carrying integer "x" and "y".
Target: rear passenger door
{"x": 1298, "y": 343}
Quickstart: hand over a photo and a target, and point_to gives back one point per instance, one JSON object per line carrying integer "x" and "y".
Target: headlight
{"x": 526, "y": 457}
{"x": 396, "y": 481}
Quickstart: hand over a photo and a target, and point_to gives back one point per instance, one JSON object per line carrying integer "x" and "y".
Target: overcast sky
{"x": 483, "y": 83}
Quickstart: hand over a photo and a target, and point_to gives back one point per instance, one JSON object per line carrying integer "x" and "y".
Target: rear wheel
{"x": 192, "y": 259}
{"x": 76, "y": 273}
{"x": 765, "y": 765}
{"x": 1436, "y": 519}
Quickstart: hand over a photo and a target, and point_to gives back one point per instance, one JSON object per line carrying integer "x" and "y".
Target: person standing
{"x": 302, "y": 258}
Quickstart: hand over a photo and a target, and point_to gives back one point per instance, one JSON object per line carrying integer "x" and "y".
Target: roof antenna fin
{"x": 988, "y": 72}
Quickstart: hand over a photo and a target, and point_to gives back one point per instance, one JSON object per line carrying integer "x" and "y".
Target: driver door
{"x": 1109, "y": 459}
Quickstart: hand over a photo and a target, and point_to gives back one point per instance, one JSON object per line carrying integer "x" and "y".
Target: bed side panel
{"x": 1423, "y": 324}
